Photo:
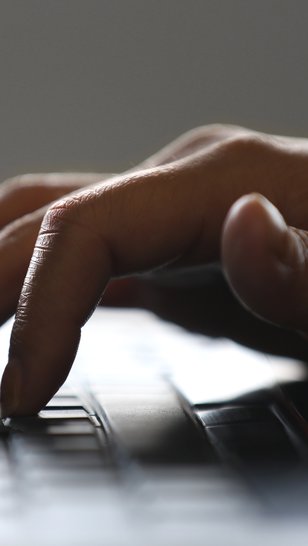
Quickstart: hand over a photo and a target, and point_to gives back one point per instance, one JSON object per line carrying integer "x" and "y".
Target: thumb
{"x": 266, "y": 262}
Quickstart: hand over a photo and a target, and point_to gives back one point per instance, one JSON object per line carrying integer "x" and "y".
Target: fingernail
{"x": 279, "y": 236}
{"x": 274, "y": 213}
{"x": 272, "y": 226}
{"x": 10, "y": 390}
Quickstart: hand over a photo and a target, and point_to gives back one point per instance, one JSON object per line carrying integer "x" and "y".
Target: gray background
{"x": 97, "y": 84}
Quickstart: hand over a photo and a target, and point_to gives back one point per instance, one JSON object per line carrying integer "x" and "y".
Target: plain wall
{"x": 98, "y": 85}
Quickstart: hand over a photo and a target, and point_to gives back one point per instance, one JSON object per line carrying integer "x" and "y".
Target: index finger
{"x": 134, "y": 223}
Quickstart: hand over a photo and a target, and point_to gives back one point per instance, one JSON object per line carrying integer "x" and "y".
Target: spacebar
{"x": 249, "y": 436}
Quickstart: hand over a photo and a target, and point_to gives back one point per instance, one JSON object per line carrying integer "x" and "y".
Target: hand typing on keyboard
{"x": 188, "y": 206}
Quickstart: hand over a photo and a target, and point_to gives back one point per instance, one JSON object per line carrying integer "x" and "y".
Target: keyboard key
{"x": 251, "y": 435}
{"x": 63, "y": 414}
{"x": 70, "y": 427}
{"x": 75, "y": 443}
{"x": 64, "y": 402}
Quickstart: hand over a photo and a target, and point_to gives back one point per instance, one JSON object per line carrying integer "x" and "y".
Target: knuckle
{"x": 25, "y": 180}
{"x": 70, "y": 211}
{"x": 25, "y": 185}
{"x": 225, "y": 137}
{"x": 218, "y": 131}
{"x": 208, "y": 130}
{"x": 244, "y": 142}
{"x": 20, "y": 179}
{"x": 64, "y": 211}
{"x": 202, "y": 133}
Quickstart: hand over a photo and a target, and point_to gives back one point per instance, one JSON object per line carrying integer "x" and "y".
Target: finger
{"x": 26, "y": 193}
{"x": 137, "y": 222}
{"x": 266, "y": 262}
{"x": 17, "y": 239}
{"x": 16, "y": 246}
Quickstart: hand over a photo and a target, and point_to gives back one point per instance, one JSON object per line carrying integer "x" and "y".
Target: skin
{"x": 218, "y": 194}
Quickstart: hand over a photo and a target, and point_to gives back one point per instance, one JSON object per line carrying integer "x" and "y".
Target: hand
{"x": 186, "y": 212}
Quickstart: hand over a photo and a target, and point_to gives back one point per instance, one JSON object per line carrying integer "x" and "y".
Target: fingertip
{"x": 253, "y": 247}
{"x": 10, "y": 390}
{"x": 253, "y": 222}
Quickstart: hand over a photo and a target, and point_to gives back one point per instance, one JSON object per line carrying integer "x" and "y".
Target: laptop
{"x": 159, "y": 437}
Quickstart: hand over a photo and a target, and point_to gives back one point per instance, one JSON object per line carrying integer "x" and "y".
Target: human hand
{"x": 174, "y": 215}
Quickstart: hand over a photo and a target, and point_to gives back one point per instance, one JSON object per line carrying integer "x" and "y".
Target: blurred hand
{"x": 188, "y": 206}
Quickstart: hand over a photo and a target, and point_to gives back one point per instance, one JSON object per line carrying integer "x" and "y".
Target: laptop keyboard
{"x": 73, "y": 435}
{"x": 127, "y": 464}
{"x": 75, "y": 453}
{"x": 62, "y": 446}
{"x": 73, "y": 442}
